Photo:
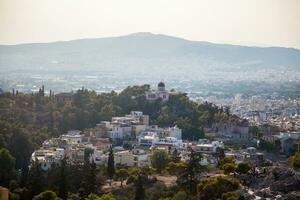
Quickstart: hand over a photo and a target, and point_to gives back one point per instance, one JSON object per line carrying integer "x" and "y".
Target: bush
{"x": 228, "y": 168}
{"x": 47, "y": 195}
{"x": 213, "y": 188}
{"x": 295, "y": 160}
{"x": 230, "y": 196}
{"x": 242, "y": 168}
{"x": 181, "y": 195}
{"x": 224, "y": 161}
{"x": 159, "y": 160}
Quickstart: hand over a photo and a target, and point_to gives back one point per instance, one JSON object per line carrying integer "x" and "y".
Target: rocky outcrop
{"x": 280, "y": 182}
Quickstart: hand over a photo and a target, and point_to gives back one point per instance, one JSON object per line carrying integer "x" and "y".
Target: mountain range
{"x": 145, "y": 53}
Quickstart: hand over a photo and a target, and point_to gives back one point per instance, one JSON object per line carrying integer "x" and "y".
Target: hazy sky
{"x": 250, "y": 22}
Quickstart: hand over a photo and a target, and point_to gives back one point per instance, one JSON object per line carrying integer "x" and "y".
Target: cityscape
{"x": 149, "y": 100}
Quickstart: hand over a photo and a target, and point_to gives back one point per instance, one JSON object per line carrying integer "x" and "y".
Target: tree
{"x": 121, "y": 174}
{"x": 188, "y": 178}
{"x": 220, "y": 153}
{"x": 243, "y": 168}
{"x": 92, "y": 196}
{"x": 181, "y": 195}
{"x": 111, "y": 164}
{"x": 224, "y": 161}
{"x": 63, "y": 185}
{"x": 36, "y": 179}
{"x": 7, "y": 163}
{"x": 175, "y": 156}
{"x": 176, "y": 168}
{"x": 108, "y": 196}
{"x": 230, "y": 196}
{"x": 295, "y": 159}
{"x": 47, "y": 195}
{"x": 89, "y": 180}
{"x": 87, "y": 153}
{"x": 140, "y": 190}
{"x": 228, "y": 168}
{"x": 159, "y": 160}
{"x": 212, "y": 188}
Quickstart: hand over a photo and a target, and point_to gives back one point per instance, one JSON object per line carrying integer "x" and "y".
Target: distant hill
{"x": 145, "y": 53}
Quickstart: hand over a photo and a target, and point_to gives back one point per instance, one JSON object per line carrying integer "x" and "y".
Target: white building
{"x": 48, "y": 158}
{"x": 147, "y": 139}
{"x": 160, "y": 93}
{"x": 168, "y": 142}
{"x": 128, "y": 126}
{"x": 208, "y": 147}
{"x": 171, "y": 132}
{"x": 72, "y": 137}
{"x": 120, "y": 131}
{"x": 134, "y": 158}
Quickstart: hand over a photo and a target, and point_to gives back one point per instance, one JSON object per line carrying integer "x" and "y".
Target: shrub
{"x": 213, "y": 188}
{"x": 228, "y": 168}
{"x": 242, "y": 168}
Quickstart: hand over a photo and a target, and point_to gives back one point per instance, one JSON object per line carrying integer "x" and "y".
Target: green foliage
{"x": 181, "y": 195}
{"x": 213, "y": 188}
{"x": 220, "y": 153}
{"x": 46, "y": 195}
{"x": 156, "y": 191}
{"x": 230, "y": 196}
{"x": 63, "y": 185}
{"x": 36, "y": 179}
{"x": 87, "y": 153}
{"x": 255, "y": 131}
{"x": 26, "y": 120}
{"x": 233, "y": 145}
{"x": 107, "y": 197}
{"x": 295, "y": 159}
{"x": 224, "y": 161}
{"x": 20, "y": 193}
{"x": 228, "y": 168}
{"x": 111, "y": 164}
{"x": 176, "y": 168}
{"x": 159, "y": 160}
{"x": 242, "y": 168}
{"x": 175, "y": 157}
{"x": 140, "y": 190}
{"x": 227, "y": 164}
{"x": 92, "y": 196}
{"x": 269, "y": 146}
{"x": 7, "y": 163}
{"x": 188, "y": 178}
{"x": 89, "y": 184}
{"x": 121, "y": 175}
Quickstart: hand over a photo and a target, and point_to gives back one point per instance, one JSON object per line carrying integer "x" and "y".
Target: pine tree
{"x": 24, "y": 174}
{"x": 36, "y": 183}
{"x": 63, "y": 191}
{"x": 140, "y": 190}
{"x": 111, "y": 164}
{"x": 89, "y": 179}
{"x": 92, "y": 178}
{"x": 189, "y": 176}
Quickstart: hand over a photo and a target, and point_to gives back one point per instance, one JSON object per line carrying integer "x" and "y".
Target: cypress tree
{"x": 36, "y": 184}
{"x": 89, "y": 180}
{"x": 111, "y": 164}
{"x": 63, "y": 191}
{"x": 140, "y": 190}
